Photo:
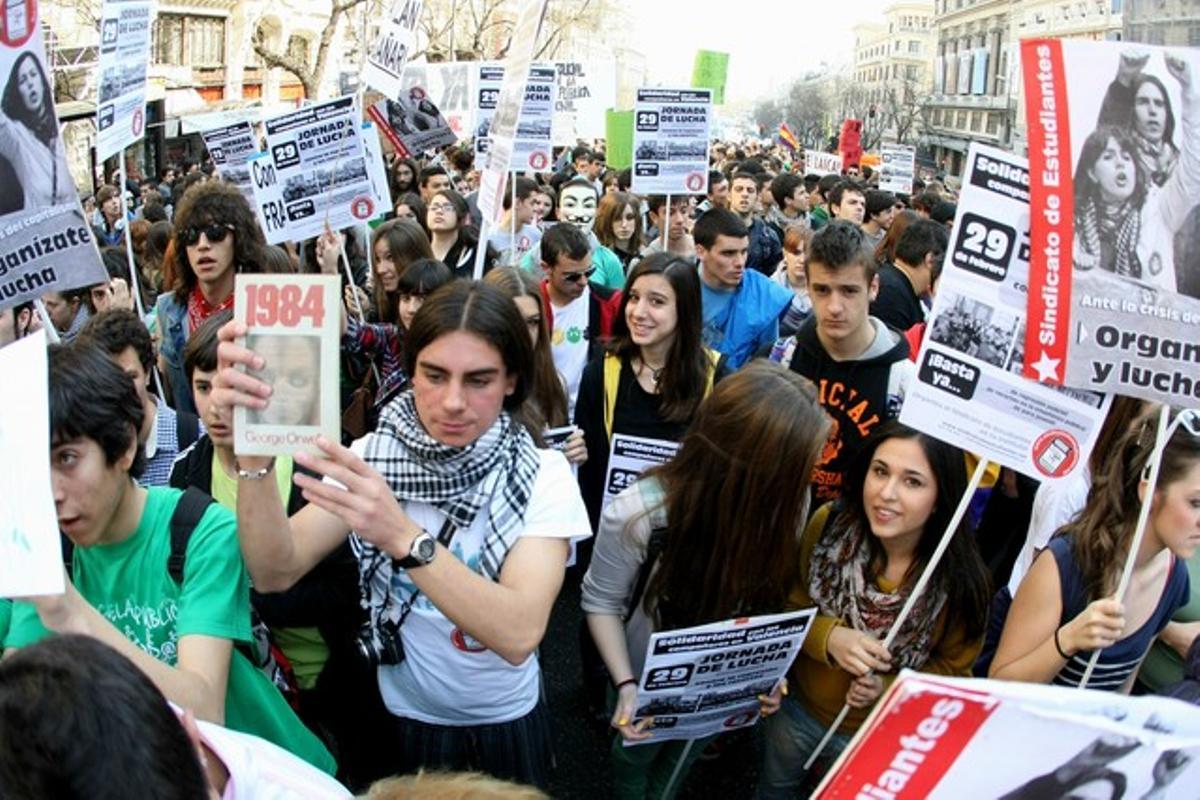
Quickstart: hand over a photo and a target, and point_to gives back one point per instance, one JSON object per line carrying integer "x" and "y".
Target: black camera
{"x": 386, "y": 649}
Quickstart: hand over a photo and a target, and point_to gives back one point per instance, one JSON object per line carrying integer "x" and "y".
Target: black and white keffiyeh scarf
{"x": 495, "y": 473}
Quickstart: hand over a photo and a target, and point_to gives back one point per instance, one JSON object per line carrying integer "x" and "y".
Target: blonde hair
{"x": 451, "y": 786}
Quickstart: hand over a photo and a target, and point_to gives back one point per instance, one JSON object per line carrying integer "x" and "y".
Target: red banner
{"x": 1051, "y": 210}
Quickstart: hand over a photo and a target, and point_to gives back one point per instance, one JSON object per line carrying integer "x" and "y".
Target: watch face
{"x": 426, "y": 548}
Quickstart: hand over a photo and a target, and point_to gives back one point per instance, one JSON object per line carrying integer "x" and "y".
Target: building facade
{"x": 892, "y": 68}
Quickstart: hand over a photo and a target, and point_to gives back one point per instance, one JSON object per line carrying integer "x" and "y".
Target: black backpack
{"x": 261, "y": 651}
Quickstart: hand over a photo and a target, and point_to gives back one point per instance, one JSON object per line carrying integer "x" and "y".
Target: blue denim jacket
{"x": 172, "y": 325}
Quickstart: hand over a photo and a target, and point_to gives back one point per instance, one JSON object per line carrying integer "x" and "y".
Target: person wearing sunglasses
{"x": 579, "y": 313}
{"x": 215, "y": 237}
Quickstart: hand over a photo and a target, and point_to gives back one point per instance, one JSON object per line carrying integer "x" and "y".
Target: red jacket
{"x": 603, "y": 310}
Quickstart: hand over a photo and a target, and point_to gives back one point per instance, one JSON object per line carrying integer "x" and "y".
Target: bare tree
{"x": 807, "y": 108}
{"x": 309, "y": 71}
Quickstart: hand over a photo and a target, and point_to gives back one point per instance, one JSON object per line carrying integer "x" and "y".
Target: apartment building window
{"x": 977, "y": 121}
{"x": 186, "y": 39}
{"x": 1194, "y": 36}
{"x": 297, "y": 48}
{"x": 960, "y": 121}
{"x": 914, "y": 46}
{"x": 993, "y": 124}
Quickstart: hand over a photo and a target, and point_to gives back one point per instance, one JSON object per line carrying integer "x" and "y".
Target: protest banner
{"x": 31, "y": 561}
{"x": 707, "y": 679}
{"x": 376, "y": 171}
{"x": 817, "y": 162}
{"x": 314, "y": 173}
{"x": 124, "y": 56}
{"x": 451, "y": 87}
{"x": 490, "y": 78}
{"x": 412, "y": 123}
{"x": 231, "y": 147}
{"x": 584, "y": 90}
{"x": 1114, "y": 285}
{"x": 670, "y": 141}
{"x": 291, "y": 321}
{"x": 969, "y": 390}
{"x": 897, "y": 168}
{"x": 533, "y": 147}
{"x": 630, "y": 456}
{"x": 709, "y": 71}
{"x": 618, "y": 139}
{"x": 530, "y": 14}
{"x": 938, "y": 738}
{"x": 45, "y": 243}
{"x": 390, "y": 52}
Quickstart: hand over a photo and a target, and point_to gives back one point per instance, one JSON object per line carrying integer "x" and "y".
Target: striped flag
{"x": 787, "y": 138}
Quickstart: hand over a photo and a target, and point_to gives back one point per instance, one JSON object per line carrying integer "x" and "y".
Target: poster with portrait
{"x": 938, "y": 738}
{"x": 1114, "y": 151}
{"x": 30, "y": 547}
{"x": 392, "y": 47}
{"x": 969, "y": 390}
{"x": 314, "y": 172}
{"x": 671, "y": 131}
{"x": 124, "y": 56}
{"x": 412, "y": 123}
{"x": 292, "y": 322}
{"x": 45, "y": 242}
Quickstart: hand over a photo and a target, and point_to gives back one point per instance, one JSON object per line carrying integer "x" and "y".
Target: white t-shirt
{"x": 448, "y": 678}
{"x": 1054, "y": 505}
{"x": 569, "y": 343}
{"x": 512, "y": 249}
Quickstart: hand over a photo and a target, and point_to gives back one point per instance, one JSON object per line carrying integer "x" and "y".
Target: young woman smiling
{"x": 859, "y": 559}
{"x": 460, "y": 524}
{"x": 395, "y": 245}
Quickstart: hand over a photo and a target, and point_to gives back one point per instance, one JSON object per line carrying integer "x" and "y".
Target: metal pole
{"x": 687, "y": 748}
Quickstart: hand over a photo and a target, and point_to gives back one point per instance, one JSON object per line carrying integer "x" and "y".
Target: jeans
{"x": 791, "y": 735}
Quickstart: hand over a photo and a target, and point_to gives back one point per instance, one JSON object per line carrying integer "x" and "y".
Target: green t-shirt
{"x": 128, "y": 583}
{"x": 608, "y": 267}
{"x": 5, "y": 618}
{"x": 1163, "y": 666}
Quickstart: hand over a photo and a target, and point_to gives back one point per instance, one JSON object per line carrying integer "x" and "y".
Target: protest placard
{"x": 1114, "y": 285}
{"x": 618, "y": 139}
{"x": 31, "y": 561}
{"x": 584, "y": 90}
{"x": 817, "y": 162}
{"x": 314, "y": 173}
{"x": 491, "y": 77}
{"x": 670, "y": 141}
{"x": 412, "y": 123}
{"x": 45, "y": 243}
{"x": 969, "y": 389}
{"x": 935, "y": 737}
{"x": 630, "y": 456}
{"x": 533, "y": 146}
{"x": 392, "y": 48}
{"x": 897, "y": 167}
{"x": 503, "y": 132}
{"x": 451, "y": 87}
{"x": 376, "y": 170}
{"x": 707, "y": 679}
{"x": 231, "y": 147}
{"x": 709, "y": 71}
{"x": 124, "y": 56}
{"x": 292, "y": 322}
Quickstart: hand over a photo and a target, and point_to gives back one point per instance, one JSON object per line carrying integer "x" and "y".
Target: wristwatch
{"x": 420, "y": 552}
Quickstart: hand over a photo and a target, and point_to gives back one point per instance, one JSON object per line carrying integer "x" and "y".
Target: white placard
{"x": 819, "y": 163}
{"x": 391, "y": 50}
{"x": 584, "y": 90}
{"x": 532, "y": 149}
{"x": 969, "y": 389}
{"x": 707, "y": 679}
{"x": 629, "y": 457}
{"x": 31, "y": 559}
{"x": 671, "y": 131}
{"x": 376, "y": 169}
{"x": 124, "y": 55}
{"x": 316, "y": 172}
{"x": 292, "y": 322}
{"x": 490, "y": 78}
{"x": 231, "y": 147}
{"x": 897, "y": 167}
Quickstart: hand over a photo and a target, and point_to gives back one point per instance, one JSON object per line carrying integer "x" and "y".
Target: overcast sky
{"x": 770, "y": 42}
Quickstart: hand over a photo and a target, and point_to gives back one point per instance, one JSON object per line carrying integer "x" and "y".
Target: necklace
{"x": 655, "y": 374}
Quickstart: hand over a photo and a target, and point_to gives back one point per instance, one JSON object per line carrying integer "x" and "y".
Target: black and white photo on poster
{"x": 412, "y": 123}
{"x": 976, "y": 329}
{"x": 45, "y": 242}
{"x": 125, "y": 28}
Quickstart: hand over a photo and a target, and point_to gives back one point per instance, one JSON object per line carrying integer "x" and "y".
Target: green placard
{"x": 709, "y": 72}
{"x": 618, "y": 139}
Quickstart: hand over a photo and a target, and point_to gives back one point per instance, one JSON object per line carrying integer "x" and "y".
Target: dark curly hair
{"x": 215, "y": 202}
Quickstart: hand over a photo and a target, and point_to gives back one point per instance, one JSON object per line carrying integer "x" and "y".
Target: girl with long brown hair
{"x": 1065, "y": 608}
{"x": 619, "y": 226}
{"x": 716, "y": 530}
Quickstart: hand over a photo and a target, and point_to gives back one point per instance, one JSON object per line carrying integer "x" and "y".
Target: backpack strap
{"x": 188, "y": 512}
{"x": 652, "y": 498}
{"x": 612, "y": 380}
{"x": 187, "y": 429}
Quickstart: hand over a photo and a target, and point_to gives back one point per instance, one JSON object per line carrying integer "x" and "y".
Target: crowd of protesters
{"x": 377, "y": 610}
